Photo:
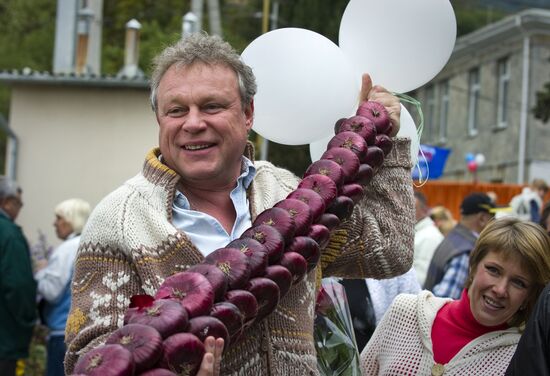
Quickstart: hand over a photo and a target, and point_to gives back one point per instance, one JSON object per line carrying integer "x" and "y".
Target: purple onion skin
{"x": 328, "y": 168}
{"x": 338, "y": 124}
{"x": 320, "y": 233}
{"x": 106, "y": 360}
{"x": 296, "y": 264}
{"x": 208, "y": 326}
{"x": 331, "y": 221}
{"x": 278, "y": 218}
{"x": 362, "y": 126}
{"x": 144, "y": 342}
{"x": 342, "y": 207}
{"x": 350, "y": 140}
{"x": 245, "y": 302}
{"x": 193, "y": 291}
{"x": 365, "y": 173}
{"x": 230, "y": 315}
{"x": 215, "y": 276}
{"x": 233, "y": 263}
{"x": 353, "y": 190}
{"x": 323, "y": 185}
{"x": 348, "y": 160}
{"x": 300, "y": 212}
{"x": 374, "y": 157}
{"x": 182, "y": 354}
{"x": 158, "y": 372}
{"x": 270, "y": 238}
{"x": 281, "y": 276}
{"x": 378, "y": 114}
{"x": 313, "y": 199}
{"x": 267, "y": 294}
{"x": 308, "y": 248}
{"x": 255, "y": 251}
{"x": 166, "y": 316}
{"x": 385, "y": 143}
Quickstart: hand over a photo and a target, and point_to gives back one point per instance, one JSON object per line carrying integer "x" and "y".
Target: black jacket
{"x": 533, "y": 352}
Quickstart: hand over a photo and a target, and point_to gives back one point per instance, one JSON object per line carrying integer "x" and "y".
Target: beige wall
{"x": 76, "y": 142}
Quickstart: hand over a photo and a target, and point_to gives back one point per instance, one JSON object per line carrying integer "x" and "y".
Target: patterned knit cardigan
{"x": 402, "y": 344}
{"x": 130, "y": 246}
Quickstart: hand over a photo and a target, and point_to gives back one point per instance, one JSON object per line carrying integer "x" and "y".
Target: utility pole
{"x": 214, "y": 17}
{"x": 264, "y": 148}
{"x": 196, "y": 9}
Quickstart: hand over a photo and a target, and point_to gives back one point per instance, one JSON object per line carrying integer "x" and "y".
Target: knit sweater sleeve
{"x": 378, "y": 240}
{"x": 104, "y": 280}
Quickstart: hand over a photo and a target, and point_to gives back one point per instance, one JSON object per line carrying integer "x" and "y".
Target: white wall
{"x": 76, "y": 142}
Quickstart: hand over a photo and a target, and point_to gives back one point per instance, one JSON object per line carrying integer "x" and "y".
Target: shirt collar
{"x": 248, "y": 172}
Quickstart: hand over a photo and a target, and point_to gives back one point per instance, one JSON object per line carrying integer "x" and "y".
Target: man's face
{"x": 12, "y": 206}
{"x": 203, "y": 127}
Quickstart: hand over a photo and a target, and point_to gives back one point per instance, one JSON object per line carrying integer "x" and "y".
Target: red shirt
{"x": 454, "y": 327}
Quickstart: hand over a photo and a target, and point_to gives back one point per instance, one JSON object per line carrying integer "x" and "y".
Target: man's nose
{"x": 193, "y": 122}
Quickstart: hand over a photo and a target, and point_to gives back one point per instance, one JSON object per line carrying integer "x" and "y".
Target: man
{"x": 426, "y": 237}
{"x": 449, "y": 267}
{"x": 528, "y": 204}
{"x": 17, "y": 285}
{"x": 201, "y": 189}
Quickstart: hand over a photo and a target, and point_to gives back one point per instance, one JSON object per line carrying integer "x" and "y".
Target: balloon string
{"x": 418, "y": 106}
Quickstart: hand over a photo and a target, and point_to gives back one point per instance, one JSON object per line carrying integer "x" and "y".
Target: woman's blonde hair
{"x": 525, "y": 241}
{"x": 75, "y": 211}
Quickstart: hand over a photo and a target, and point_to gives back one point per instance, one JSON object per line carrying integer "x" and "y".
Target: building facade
{"x": 481, "y": 102}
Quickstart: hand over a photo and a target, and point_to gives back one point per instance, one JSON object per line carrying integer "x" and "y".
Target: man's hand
{"x": 381, "y": 95}
{"x": 210, "y": 365}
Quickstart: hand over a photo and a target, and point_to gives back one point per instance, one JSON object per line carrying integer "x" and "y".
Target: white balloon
{"x": 479, "y": 159}
{"x": 317, "y": 148}
{"x": 402, "y": 44}
{"x": 407, "y": 128}
{"x": 305, "y": 83}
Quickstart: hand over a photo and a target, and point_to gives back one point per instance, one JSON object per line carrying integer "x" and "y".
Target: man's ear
{"x": 249, "y": 115}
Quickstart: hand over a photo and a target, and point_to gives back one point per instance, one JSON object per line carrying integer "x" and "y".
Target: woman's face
{"x": 62, "y": 228}
{"x": 499, "y": 289}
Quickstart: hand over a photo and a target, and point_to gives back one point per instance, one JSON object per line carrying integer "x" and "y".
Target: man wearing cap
{"x": 449, "y": 266}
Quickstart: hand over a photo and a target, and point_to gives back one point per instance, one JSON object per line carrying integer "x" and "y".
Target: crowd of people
{"x": 427, "y": 294}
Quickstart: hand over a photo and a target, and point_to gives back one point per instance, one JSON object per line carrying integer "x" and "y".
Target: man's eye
{"x": 175, "y": 111}
{"x": 212, "y": 107}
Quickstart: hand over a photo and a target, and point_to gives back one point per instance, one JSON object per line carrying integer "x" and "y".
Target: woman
{"x": 54, "y": 279}
{"x": 423, "y": 334}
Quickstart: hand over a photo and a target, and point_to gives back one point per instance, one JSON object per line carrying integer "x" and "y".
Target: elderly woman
{"x": 54, "y": 279}
{"x": 422, "y": 334}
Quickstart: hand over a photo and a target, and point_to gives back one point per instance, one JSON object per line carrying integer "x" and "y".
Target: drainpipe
{"x": 524, "y": 104}
{"x": 11, "y": 154}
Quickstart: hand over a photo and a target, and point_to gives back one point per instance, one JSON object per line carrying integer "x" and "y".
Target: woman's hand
{"x": 381, "y": 95}
{"x": 210, "y": 365}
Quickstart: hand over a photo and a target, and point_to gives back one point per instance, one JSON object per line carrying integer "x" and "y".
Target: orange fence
{"x": 451, "y": 193}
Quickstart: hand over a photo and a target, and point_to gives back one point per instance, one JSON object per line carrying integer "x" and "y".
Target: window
{"x": 503, "y": 72}
{"x": 444, "y": 111}
{"x": 473, "y": 101}
{"x": 430, "y": 112}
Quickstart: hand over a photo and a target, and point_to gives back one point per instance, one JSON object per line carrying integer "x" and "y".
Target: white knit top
{"x": 402, "y": 345}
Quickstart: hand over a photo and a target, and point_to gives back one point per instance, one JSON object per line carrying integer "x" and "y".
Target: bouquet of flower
{"x": 337, "y": 353}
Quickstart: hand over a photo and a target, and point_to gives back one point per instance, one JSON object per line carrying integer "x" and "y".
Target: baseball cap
{"x": 477, "y": 202}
